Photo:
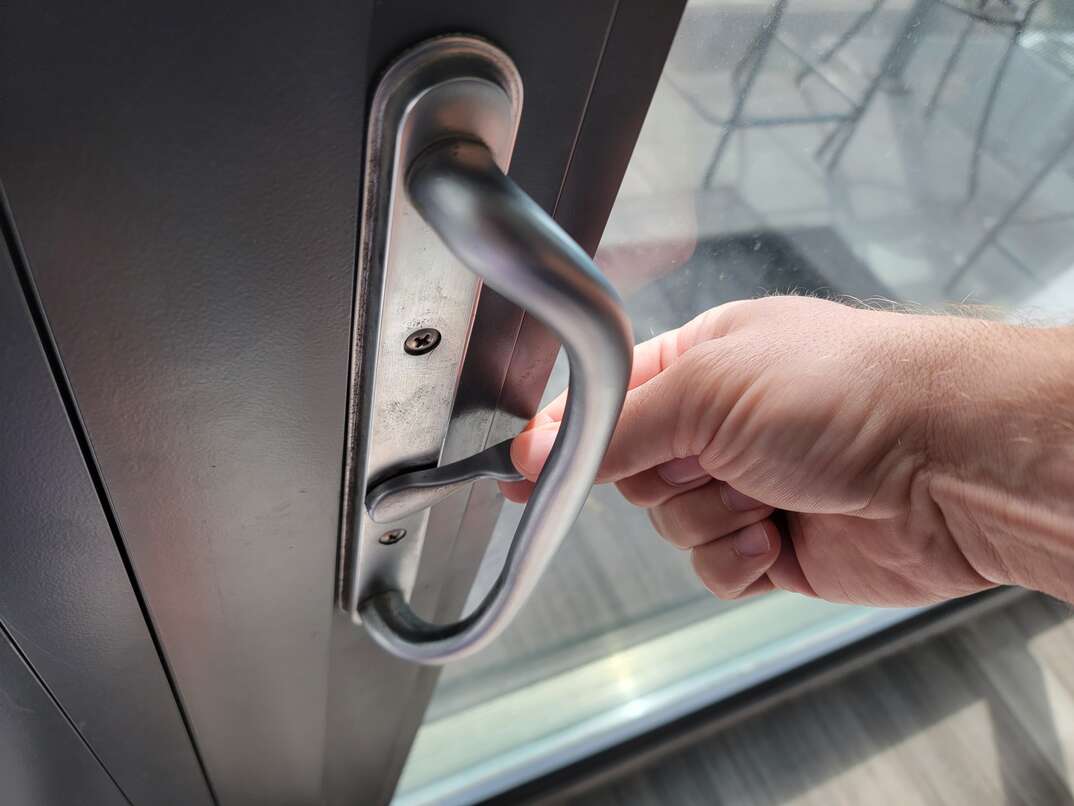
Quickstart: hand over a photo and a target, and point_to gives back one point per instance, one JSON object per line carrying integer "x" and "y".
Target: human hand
{"x": 793, "y": 443}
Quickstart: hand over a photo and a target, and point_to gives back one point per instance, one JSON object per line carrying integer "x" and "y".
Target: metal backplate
{"x": 401, "y": 402}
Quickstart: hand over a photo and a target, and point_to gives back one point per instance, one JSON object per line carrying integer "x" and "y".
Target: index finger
{"x": 650, "y": 359}
{"x": 646, "y": 364}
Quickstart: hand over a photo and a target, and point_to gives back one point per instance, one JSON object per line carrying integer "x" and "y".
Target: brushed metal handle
{"x": 503, "y": 236}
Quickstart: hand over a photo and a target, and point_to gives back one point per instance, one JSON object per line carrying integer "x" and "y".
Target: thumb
{"x": 530, "y": 449}
{"x": 673, "y": 415}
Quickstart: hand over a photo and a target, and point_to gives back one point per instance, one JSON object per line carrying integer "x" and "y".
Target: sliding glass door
{"x": 900, "y": 153}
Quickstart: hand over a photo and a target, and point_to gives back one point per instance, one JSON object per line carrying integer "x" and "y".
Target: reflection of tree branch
{"x": 691, "y": 101}
{"x": 981, "y": 16}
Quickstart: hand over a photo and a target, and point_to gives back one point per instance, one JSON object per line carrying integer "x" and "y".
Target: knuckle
{"x": 704, "y": 369}
{"x": 671, "y": 525}
{"x": 639, "y": 493}
{"x": 676, "y": 538}
{"x": 689, "y": 517}
{"x": 722, "y": 319}
{"x": 660, "y": 525}
{"x": 718, "y": 584}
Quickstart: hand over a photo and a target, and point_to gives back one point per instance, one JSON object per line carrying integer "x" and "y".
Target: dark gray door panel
{"x": 65, "y": 596}
{"x": 186, "y": 177}
{"x": 42, "y": 760}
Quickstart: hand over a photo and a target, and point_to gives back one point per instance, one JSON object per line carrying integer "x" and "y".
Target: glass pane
{"x": 916, "y": 151}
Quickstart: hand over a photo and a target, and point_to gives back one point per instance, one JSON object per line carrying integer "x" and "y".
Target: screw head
{"x": 394, "y": 536}
{"x": 422, "y": 341}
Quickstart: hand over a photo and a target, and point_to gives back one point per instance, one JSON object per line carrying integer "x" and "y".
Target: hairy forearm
{"x": 1001, "y": 451}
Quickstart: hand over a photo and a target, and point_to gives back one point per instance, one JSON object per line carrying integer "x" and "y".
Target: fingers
{"x": 671, "y": 416}
{"x": 703, "y": 515}
{"x": 649, "y": 360}
{"x": 762, "y": 585}
{"x": 530, "y": 449}
{"x": 517, "y": 491}
{"x": 786, "y": 572}
{"x": 657, "y": 354}
{"x": 646, "y": 489}
{"x": 668, "y": 417}
{"x": 659, "y": 484}
{"x": 733, "y": 566}
{"x": 648, "y": 430}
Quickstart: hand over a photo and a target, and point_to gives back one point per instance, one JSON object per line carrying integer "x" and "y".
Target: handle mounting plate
{"x": 400, "y": 402}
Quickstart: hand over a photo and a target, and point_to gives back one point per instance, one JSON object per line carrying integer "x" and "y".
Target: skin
{"x": 854, "y": 455}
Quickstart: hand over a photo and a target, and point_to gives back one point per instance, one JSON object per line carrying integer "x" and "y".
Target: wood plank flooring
{"x": 982, "y": 714}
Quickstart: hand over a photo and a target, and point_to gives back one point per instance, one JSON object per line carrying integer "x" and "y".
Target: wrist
{"x": 1000, "y": 450}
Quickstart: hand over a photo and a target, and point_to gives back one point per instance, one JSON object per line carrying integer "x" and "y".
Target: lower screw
{"x": 394, "y": 536}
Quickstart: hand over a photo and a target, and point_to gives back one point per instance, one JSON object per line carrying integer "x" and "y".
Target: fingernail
{"x": 751, "y": 541}
{"x": 681, "y": 471}
{"x": 533, "y": 449}
{"x": 738, "y": 502}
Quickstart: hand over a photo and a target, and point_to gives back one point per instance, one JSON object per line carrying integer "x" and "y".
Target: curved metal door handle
{"x": 503, "y": 236}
